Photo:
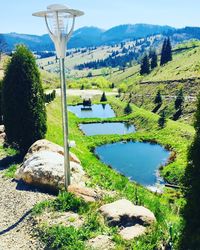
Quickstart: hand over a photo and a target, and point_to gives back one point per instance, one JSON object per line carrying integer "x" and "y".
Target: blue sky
{"x": 16, "y": 15}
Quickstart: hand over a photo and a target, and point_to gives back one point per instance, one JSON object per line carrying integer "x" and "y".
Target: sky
{"x": 16, "y": 15}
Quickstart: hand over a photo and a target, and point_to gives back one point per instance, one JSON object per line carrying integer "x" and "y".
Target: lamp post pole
{"x": 58, "y": 15}
{"x": 65, "y": 123}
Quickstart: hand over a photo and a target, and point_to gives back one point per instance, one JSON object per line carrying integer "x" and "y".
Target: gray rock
{"x": 88, "y": 194}
{"x": 46, "y": 168}
{"x": 60, "y": 218}
{"x": 129, "y": 233}
{"x": 45, "y": 145}
{"x": 125, "y": 213}
{"x": 101, "y": 242}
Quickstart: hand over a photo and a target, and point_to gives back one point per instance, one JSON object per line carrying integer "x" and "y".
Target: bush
{"x": 23, "y": 101}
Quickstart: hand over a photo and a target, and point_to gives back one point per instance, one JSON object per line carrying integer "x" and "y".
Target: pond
{"x": 137, "y": 160}
{"x": 107, "y": 128}
{"x": 97, "y": 111}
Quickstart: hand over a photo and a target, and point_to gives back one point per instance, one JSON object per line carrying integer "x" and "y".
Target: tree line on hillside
{"x": 149, "y": 62}
{"x": 113, "y": 61}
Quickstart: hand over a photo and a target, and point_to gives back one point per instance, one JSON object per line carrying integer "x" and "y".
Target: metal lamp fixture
{"x": 60, "y": 21}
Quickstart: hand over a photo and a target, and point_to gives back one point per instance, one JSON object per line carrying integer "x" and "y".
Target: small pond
{"x": 97, "y": 111}
{"x": 107, "y": 128}
{"x": 137, "y": 160}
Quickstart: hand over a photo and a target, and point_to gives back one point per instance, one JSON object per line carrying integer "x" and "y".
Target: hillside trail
{"x": 16, "y": 227}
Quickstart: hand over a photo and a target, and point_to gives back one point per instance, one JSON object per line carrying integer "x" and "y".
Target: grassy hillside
{"x": 175, "y": 136}
{"x": 185, "y": 64}
{"x": 183, "y": 72}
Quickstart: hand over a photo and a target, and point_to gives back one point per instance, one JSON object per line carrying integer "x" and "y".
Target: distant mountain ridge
{"x": 93, "y": 36}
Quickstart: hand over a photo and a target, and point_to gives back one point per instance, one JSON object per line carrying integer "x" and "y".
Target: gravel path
{"x": 16, "y": 202}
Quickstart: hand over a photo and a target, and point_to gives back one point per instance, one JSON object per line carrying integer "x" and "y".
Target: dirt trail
{"x": 16, "y": 202}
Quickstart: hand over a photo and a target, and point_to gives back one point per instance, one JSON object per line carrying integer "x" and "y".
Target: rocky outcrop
{"x": 45, "y": 145}
{"x": 88, "y": 194}
{"x": 132, "y": 220}
{"x": 45, "y": 168}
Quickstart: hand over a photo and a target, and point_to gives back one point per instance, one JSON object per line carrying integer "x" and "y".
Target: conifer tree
{"x": 166, "y": 53}
{"x": 158, "y": 98}
{"x": 23, "y": 101}
{"x": 163, "y": 53}
{"x": 154, "y": 60}
{"x": 162, "y": 120}
{"x": 168, "y": 50}
{"x": 179, "y": 100}
{"x": 128, "y": 109}
{"x": 145, "y": 67}
{"x": 103, "y": 97}
{"x": 190, "y": 236}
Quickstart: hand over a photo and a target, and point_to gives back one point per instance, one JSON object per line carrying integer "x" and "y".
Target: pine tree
{"x": 23, "y": 101}
{"x": 162, "y": 120}
{"x": 168, "y": 50}
{"x": 103, "y": 97}
{"x": 145, "y": 67}
{"x": 154, "y": 60}
{"x": 191, "y": 231}
{"x": 158, "y": 98}
{"x": 179, "y": 100}
{"x": 166, "y": 53}
{"x": 163, "y": 53}
{"x": 128, "y": 109}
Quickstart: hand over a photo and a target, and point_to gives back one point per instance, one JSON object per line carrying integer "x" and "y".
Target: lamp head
{"x": 60, "y": 21}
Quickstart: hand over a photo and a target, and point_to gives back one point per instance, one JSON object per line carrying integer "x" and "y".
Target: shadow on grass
{"x": 9, "y": 160}
{"x": 155, "y": 110}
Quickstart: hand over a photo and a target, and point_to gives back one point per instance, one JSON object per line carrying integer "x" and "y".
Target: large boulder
{"x": 132, "y": 220}
{"x": 45, "y": 145}
{"x": 46, "y": 168}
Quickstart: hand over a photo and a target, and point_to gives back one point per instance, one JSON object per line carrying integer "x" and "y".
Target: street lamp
{"x": 57, "y": 18}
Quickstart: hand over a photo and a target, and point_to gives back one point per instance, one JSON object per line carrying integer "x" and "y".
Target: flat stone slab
{"x": 101, "y": 242}
{"x": 129, "y": 233}
{"x": 57, "y": 218}
{"x": 125, "y": 213}
{"x": 88, "y": 194}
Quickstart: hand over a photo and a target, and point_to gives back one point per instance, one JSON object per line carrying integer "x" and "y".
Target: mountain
{"x": 128, "y": 31}
{"x": 93, "y": 36}
{"x": 86, "y": 37}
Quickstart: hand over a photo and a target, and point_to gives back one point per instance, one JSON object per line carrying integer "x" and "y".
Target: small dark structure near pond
{"x": 87, "y": 104}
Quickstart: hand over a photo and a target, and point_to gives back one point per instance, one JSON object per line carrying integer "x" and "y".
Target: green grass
{"x": 10, "y": 171}
{"x": 175, "y": 136}
{"x": 64, "y": 202}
